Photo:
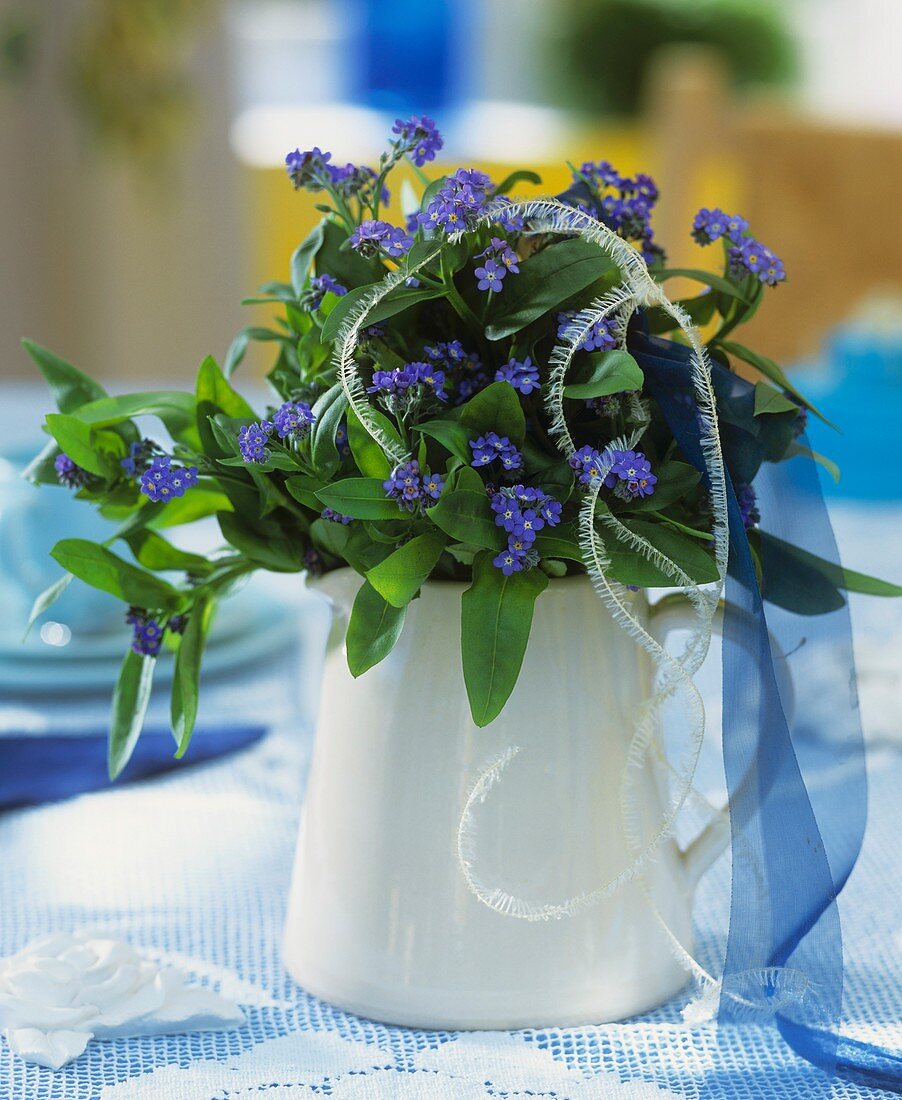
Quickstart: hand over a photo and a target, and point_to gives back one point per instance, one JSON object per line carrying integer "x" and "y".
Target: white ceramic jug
{"x": 380, "y": 919}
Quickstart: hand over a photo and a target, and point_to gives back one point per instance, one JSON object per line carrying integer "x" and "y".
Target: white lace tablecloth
{"x": 194, "y": 869}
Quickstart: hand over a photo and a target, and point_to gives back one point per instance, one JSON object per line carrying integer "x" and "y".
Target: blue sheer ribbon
{"x": 796, "y": 784}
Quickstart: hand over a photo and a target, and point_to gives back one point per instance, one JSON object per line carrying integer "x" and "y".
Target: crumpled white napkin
{"x": 62, "y": 990}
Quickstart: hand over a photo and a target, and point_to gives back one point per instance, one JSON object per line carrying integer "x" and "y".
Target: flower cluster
{"x": 294, "y": 419}
{"x": 522, "y": 512}
{"x": 611, "y": 404}
{"x": 522, "y": 376}
{"x": 411, "y": 488}
{"x": 309, "y": 169}
{"x": 418, "y": 137}
{"x": 492, "y": 446}
{"x": 449, "y": 353}
{"x": 747, "y": 256}
{"x": 602, "y": 336}
{"x": 147, "y": 633}
{"x": 748, "y": 506}
{"x": 356, "y": 180}
{"x": 334, "y": 517}
{"x": 628, "y": 473}
{"x": 463, "y": 370}
{"x": 378, "y": 238}
{"x": 497, "y": 260}
{"x": 139, "y": 457}
{"x": 252, "y": 440}
{"x": 709, "y": 226}
{"x": 751, "y": 257}
{"x": 625, "y": 204}
{"x": 459, "y": 201}
{"x": 68, "y": 473}
{"x": 401, "y": 380}
{"x": 320, "y": 286}
{"x": 163, "y": 481}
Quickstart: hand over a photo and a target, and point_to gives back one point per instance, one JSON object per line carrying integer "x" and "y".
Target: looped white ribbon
{"x": 638, "y": 289}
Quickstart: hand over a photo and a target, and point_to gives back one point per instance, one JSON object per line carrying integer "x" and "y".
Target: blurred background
{"x": 143, "y": 189}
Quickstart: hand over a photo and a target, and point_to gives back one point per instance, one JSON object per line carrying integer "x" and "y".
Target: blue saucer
{"x": 250, "y": 626}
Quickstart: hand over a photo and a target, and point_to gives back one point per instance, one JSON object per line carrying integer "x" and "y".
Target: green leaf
{"x": 186, "y": 677}
{"x": 547, "y": 279}
{"x": 423, "y": 251}
{"x": 795, "y": 580}
{"x": 770, "y": 401}
{"x": 278, "y": 460}
{"x": 238, "y": 346}
{"x": 706, "y": 277}
{"x": 609, "y": 372}
{"x": 339, "y": 314}
{"x": 101, "y": 568}
{"x": 368, "y": 455}
{"x": 263, "y": 541}
{"x": 215, "y": 395}
{"x": 676, "y": 480}
{"x": 495, "y": 409}
{"x": 373, "y": 629}
{"x": 399, "y": 577}
{"x": 304, "y": 490}
{"x": 468, "y": 517}
{"x": 197, "y": 504}
{"x": 514, "y": 178}
{"x": 360, "y": 498}
{"x": 773, "y": 371}
{"x": 559, "y": 542}
{"x": 837, "y": 575}
{"x": 496, "y": 616}
{"x": 829, "y": 465}
{"x": 40, "y": 470}
{"x": 303, "y": 255}
{"x": 396, "y": 301}
{"x": 178, "y": 411}
{"x": 329, "y": 410}
{"x": 330, "y": 537}
{"x": 629, "y": 567}
{"x": 700, "y": 309}
{"x": 130, "y": 699}
{"x": 79, "y": 442}
{"x": 46, "y": 599}
{"x": 431, "y": 191}
{"x": 557, "y": 479}
{"x": 70, "y": 388}
{"x": 235, "y": 354}
{"x": 159, "y": 555}
{"x": 343, "y": 264}
{"x": 469, "y": 479}
{"x": 452, "y": 435}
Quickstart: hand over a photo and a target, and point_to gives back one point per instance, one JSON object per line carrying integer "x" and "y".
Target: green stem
{"x": 459, "y": 306}
{"x": 704, "y": 535}
{"x": 419, "y": 173}
{"x": 380, "y": 181}
{"x": 738, "y": 316}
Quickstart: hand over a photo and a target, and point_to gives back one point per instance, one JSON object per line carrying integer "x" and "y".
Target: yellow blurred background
{"x": 143, "y": 191}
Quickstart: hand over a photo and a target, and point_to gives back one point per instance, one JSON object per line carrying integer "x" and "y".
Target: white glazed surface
{"x": 63, "y": 990}
{"x": 380, "y": 919}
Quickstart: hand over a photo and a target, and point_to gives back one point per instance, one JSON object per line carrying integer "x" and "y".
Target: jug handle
{"x": 675, "y": 612}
